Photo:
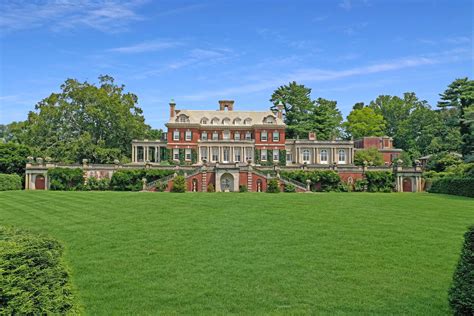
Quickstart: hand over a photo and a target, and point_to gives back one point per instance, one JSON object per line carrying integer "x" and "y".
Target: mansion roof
{"x": 224, "y": 118}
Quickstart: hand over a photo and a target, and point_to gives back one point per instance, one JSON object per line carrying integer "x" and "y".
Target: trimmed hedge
{"x": 131, "y": 180}
{"x": 33, "y": 277}
{"x": 10, "y": 182}
{"x": 461, "y": 294}
{"x": 453, "y": 185}
{"x": 66, "y": 179}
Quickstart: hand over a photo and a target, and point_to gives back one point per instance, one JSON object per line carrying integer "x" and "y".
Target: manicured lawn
{"x": 144, "y": 253}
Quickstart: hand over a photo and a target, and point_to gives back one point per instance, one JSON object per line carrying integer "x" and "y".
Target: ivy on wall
{"x": 181, "y": 156}
{"x": 282, "y": 157}
{"x": 257, "y": 156}
{"x": 194, "y": 156}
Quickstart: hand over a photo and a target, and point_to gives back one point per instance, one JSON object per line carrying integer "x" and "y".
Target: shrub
{"x": 290, "y": 188}
{"x": 94, "y": 184}
{"x": 243, "y": 188}
{"x": 273, "y": 186}
{"x": 322, "y": 180}
{"x": 179, "y": 184}
{"x": 379, "y": 181}
{"x": 360, "y": 185}
{"x": 461, "y": 294}
{"x": 453, "y": 185}
{"x": 34, "y": 279}
{"x": 210, "y": 188}
{"x": 10, "y": 182}
{"x": 66, "y": 179}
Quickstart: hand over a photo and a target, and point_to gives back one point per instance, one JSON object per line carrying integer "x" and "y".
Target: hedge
{"x": 453, "y": 185}
{"x": 66, "y": 179}
{"x": 10, "y": 182}
{"x": 380, "y": 181}
{"x": 321, "y": 180}
{"x": 461, "y": 294}
{"x": 179, "y": 184}
{"x": 131, "y": 180}
{"x": 273, "y": 186}
{"x": 33, "y": 277}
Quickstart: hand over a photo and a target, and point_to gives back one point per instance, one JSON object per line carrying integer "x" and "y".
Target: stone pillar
{"x": 249, "y": 180}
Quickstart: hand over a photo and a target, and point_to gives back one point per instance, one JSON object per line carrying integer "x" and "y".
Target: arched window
{"x": 306, "y": 155}
{"x": 215, "y": 121}
{"x": 323, "y": 156}
{"x": 226, "y": 121}
{"x": 204, "y": 120}
{"x": 269, "y": 120}
{"x": 342, "y": 156}
{"x": 237, "y": 121}
{"x": 247, "y": 121}
{"x": 182, "y": 119}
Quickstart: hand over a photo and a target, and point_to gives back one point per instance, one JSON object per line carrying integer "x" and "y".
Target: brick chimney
{"x": 172, "y": 108}
{"x": 280, "y": 110}
{"x": 312, "y": 136}
{"x": 223, "y": 104}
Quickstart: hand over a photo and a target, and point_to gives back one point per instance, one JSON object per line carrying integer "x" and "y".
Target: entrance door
{"x": 407, "y": 185}
{"x": 39, "y": 183}
{"x": 227, "y": 182}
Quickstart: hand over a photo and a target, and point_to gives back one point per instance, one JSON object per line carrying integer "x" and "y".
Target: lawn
{"x": 252, "y": 253}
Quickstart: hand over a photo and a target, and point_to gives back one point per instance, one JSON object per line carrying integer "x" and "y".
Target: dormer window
{"x": 182, "y": 119}
{"x": 237, "y": 121}
{"x": 204, "y": 120}
{"x": 269, "y": 120}
{"x": 247, "y": 121}
{"x": 226, "y": 121}
{"x": 215, "y": 121}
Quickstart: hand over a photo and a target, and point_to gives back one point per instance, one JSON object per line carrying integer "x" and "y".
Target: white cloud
{"x": 148, "y": 46}
{"x": 103, "y": 15}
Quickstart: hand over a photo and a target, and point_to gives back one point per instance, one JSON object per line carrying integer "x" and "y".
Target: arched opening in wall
{"x": 194, "y": 185}
{"x": 39, "y": 182}
{"x": 227, "y": 182}
{"x": 259, "y": 185}
{"x": 407, "y": 185}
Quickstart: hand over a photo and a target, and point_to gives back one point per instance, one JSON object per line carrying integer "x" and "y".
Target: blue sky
{"x": 198, "y": 52}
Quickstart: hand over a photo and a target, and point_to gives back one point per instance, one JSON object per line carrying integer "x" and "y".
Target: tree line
{"x": 98, "y": 122}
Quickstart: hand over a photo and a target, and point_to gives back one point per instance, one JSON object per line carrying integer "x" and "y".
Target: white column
{"x": 314, "y": 155}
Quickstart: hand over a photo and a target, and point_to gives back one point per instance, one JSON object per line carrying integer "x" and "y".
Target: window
{"x": 247, "y": 121}
{"x": 237, "y": 154}
{"x": 226, "y": 121}
{"x": 215, "y": 136}
{"x": 187, "y": 154}
{"x": 215, "y": 153}
{"x": 248, "y": 153}
{"x": 342, "y": 156}
{"x": 237, "y": 136}
{"x": 176, "y": 135}
{"x": 226, "y": 154}
{"x": 215, "y": 121}
{"x": 237, "y": 121}
{"x": 204, "y": 120}
{"x": 204, "y": 135}
{"x": 263, "y": 155}
{"x": 323, "y": 156}
{"x": 226, "y": 135}
{"x": 263, "y": 136}
{"x": 182, "y": 119}
{"x": 268, "y": 120}
{"x": 175, "y": 154}
{"x": 248, "y": 136}
{"x": 276, "y": 155}
{"x": 188, "y": 135}
{"x": 289, "y": 157}
{"x": 306, "y": 155}
{"x": 203, "y": 153}
{"x": 276, "y": 136}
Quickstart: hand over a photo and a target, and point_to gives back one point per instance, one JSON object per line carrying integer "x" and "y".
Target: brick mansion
{"x": 227, "y": 149}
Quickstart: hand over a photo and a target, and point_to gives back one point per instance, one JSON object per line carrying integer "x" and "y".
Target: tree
{"x": 13, "y": 158}
{"x": 460, "y": 96}
{"x": 370, "y": 155}
{"x": 364, "y": 122}
{"x": 87, "y": 121}
{"x": 302, "y": 115}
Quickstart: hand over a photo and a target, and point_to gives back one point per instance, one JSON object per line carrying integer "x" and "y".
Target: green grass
{"x": 252, "y": 253}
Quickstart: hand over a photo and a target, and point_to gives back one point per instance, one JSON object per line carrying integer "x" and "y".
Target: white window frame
{"x": 215, "y": 154}
{"x": 215, "y": 135}
{"x": 188, "y": 136}
{"x": 248, "y": 154}
{"x": 305, "y": 152}
{"x": 343, "y": 152}
{"x": 203, "y": 153}
{"x": 237, "y": 136}
{"x": 176, "y": 135}
{"x": 325, "y": 152}
{"x": 289, "y": 157}
{"x": 204, "y": 136}
{"x": 237, "y": 154}
{"x": 248, "y": 136}
{"x": 226, "y": 135}
{"x": 263, "y": 136}
{"x": 175, "y": 153}
{"x": 187, "y": 154}
{"x": 276, "y": 155}
{"x": 277, "y": 138}
{"x": 225, "y": 154}
{"x": 263, "y": 155}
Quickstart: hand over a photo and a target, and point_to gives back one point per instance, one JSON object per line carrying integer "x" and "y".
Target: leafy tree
{"x": 460, "y": 96}
{"x": 179, "y": 184}
{"x": 87, "y": 121}
{"x": 302, "y": 115}
{"x": 273, "y": 186}
{"x": 440, "y": 162}
{"x": 358, "y": 106}
{"x": 364, "y": 122}
{"x": 370, "y": 155}
{"x": 13, "y": 158}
